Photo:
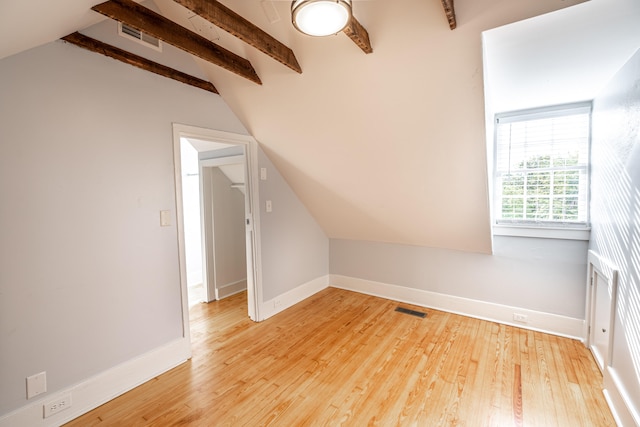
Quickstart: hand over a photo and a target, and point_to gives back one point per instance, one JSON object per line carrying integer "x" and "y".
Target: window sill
{"x": 582, "y": 233}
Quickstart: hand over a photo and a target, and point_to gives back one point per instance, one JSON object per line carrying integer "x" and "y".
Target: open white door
{"x": 601, "y": 302}
{"x": 252, "y": 223}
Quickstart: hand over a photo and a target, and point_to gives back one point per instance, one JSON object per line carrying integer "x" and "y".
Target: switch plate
{"x": 263, "y": 174}
{"x": 165, "y": 218}
{"x": 269, "y": 206}
{"x": 36, "y": 384}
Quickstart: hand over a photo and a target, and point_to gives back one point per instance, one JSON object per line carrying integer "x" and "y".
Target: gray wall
{"x": 230, "y": 257}
{"x": 615, "y": 208}
{"x": 295, "y": 250}
{"x": 88, "y": 278}
{"x": 546, "y": 275}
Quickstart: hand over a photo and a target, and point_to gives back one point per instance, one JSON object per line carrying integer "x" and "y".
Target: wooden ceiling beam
{"x": 146, "y": 20}
{"x": 137, "y": 61}
{"x": 450, "y": 12}
{"x": 223, "y": 17}
{"x": 359, "y": 35}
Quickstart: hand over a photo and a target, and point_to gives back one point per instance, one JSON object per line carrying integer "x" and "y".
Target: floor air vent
{"x": 411, "y": 312}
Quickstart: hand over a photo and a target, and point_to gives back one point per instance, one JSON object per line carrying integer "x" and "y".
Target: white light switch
{"x": 263, "y": 174}
{"x": 269, "y": 206}
{"x": 36, "y": 384}
{"x": 165, "y": 218}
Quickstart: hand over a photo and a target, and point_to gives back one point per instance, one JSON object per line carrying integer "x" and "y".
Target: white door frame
{"x": 206, "y": 235}
{"x": 252, "y": 220}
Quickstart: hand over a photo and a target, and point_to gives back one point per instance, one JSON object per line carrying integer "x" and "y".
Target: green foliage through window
{"x": 542, "y": 168}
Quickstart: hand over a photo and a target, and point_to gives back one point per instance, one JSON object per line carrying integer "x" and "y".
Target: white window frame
{"x": 539, "y": 229}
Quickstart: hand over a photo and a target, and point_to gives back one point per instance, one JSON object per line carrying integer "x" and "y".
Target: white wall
{"x": 616, "y": 217}
{"x": 88, "y": 278}
{"x": 295, "y": 250}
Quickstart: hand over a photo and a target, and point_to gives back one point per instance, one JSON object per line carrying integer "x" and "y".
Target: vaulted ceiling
{"x": 384, "y": 146}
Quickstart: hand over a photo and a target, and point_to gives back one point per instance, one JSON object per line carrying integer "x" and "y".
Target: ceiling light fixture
{"x": 320, "y": 17}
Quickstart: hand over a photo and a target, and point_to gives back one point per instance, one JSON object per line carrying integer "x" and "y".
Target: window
{"x": 542, "y": 167}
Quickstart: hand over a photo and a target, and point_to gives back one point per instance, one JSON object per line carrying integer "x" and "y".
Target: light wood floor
{"x": 342, "y": 358}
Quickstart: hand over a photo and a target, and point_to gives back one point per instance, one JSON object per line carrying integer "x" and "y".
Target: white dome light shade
{"x": 320, "y": 17}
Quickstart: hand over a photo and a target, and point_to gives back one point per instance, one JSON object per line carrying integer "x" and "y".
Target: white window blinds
{"x": 542, "y": 166}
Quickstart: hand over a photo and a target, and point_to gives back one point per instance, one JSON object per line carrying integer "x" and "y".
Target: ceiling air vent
{"x": 143, "y": 38}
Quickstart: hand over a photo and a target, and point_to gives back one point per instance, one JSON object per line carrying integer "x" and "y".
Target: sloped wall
{"x": 385, "y": 147}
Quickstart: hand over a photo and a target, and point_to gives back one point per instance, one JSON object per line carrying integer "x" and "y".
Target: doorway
{"x": 203, "y": 157}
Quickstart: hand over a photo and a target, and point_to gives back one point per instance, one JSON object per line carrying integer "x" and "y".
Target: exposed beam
{"x": 223, "y": 17}
{"x": 137, "y": 61}
{"x": 143, "y": 19}
{"x": 359, "y": 35}
{"x": 450, "y": 12}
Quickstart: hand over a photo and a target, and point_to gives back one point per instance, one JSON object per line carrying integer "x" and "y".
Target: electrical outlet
{"x": 55, "y": 406}
{"x": 277, "y": 303}
{"x": 520, "y": 317}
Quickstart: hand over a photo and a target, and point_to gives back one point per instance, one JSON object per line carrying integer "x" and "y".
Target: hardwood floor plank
{"x": 342, "y": 358}
{"x": 517, "y": 396}
{"x": 431, "y": 387}
{"x": 478, "y": 402}
{"x": 532, "y": 407}
{"x": 558, "y": 381}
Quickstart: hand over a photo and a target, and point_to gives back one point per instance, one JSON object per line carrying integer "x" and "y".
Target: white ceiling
{"x": 382, "y": 147}
{"x": 25, "y": 24}
{"x": 560, "y": 57}
{"x": 233, "y": 171}
{"x": 202, "y": 146}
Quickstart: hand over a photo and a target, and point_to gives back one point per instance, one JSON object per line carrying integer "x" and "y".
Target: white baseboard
{"x": 101, "y": 388}
{"x": 292, "y": 297}
{"x": 538, "y": 321}
{"x": 625, "y": 411}
{"x": 232, "y": 288}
